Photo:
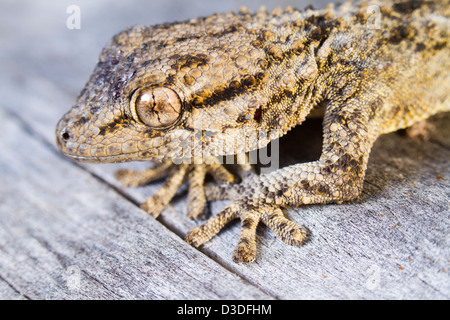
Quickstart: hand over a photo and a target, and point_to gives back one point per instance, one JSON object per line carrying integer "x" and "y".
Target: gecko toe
{"x": 196, "y": 200}
{"x": 132, "y": 178}
{"x": 201, "y": 234}
{"x": 154, "y": 205}
{"x": 287, "y": 230}
{"x": 245, "y": 250}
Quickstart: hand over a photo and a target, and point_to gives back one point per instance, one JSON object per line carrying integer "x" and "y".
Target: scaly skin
{"x": 230, "y": 83}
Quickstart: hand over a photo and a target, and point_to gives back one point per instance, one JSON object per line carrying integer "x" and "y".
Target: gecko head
{"x": 178, "y": 90}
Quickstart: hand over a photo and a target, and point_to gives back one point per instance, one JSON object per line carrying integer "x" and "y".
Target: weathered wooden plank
{"x": 66, "y": 235}
{"x": 7, "y": 292}
{"x": 391, "y": 243}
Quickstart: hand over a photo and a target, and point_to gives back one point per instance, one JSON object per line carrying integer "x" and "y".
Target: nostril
{"x": 65, "y": 136}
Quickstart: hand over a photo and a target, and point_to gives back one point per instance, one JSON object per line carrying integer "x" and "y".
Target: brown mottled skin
{"x": 166, "y": 91}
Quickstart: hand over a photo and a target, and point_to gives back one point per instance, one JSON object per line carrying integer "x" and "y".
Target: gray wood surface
{"x": 70, "y": 231}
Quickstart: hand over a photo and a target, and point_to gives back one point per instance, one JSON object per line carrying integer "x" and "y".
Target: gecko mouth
{"x": 98, "y": 159}
{"x": 90, "y": 154}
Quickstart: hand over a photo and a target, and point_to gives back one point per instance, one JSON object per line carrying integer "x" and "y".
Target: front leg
{"x": 336, "y": 177}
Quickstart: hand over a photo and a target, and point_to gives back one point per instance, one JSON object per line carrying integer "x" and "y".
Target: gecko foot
{"x": 176, "y": 174}
{"x": 245, "y": 251}
{"x": 421, "y": 131}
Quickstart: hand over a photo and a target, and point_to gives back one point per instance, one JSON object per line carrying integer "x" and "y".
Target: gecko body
{"x": 230, "y": 83}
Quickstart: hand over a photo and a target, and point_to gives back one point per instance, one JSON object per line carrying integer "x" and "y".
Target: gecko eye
{"x": 158, "y": 107}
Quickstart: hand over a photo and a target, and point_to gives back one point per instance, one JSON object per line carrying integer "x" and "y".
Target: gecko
{"x": 184, "y": 94}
